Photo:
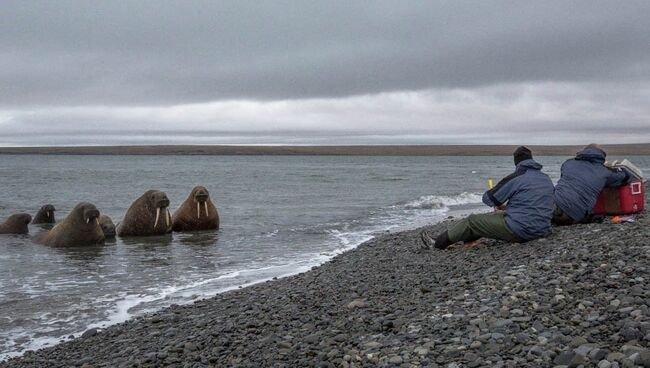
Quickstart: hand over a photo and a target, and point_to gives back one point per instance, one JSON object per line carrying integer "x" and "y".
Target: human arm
{"x": 617, "y": 177}
{"x": 500, "y": 194}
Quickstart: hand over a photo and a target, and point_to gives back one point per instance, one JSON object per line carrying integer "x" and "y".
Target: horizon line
{"x": 339, "y": 150}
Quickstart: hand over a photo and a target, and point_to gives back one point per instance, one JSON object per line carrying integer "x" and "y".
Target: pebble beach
{"x": 579, "y": 298}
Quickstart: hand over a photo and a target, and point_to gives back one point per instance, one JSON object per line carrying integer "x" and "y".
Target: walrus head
{"x": 45, "y": 215}
{"x": 107, "y": 226}
{"x": 86, "y": 216}
{"x": 157, "y": 202}
{"x": 17, "y": 224}
{"x": 48, "y": 209}
{"x": 200, "y": 196}
{"x": 143, "y": 218}
{"x": 197, "y": 212}
{"x": 79, "y": 228}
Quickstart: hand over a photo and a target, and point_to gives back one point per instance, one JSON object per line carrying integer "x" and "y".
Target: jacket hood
{"x": 591, "y": 154}
{"x": 529, "y": 164}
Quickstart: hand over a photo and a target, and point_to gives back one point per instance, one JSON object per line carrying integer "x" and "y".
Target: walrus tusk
{"x": 206, "y": 208}
{"x": 97, "y": 220}
{"x": 48, "y": 214}
{"x": 157, "y": 217}
{"x": 198, "y": 210}
{"x": 167, "y": 217}
{"x": 87, "y": 220}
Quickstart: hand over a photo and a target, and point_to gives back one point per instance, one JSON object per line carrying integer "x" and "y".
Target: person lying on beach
{"x": 581, "y": 180}
{"x": 527, "y": 216}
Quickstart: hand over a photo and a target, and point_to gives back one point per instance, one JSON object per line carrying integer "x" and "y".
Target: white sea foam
{"x": 271, "y": 233}
{"x": 121, "y": 311}
{"x": 350, "y": 239}
{"x": 33, "y": 343}
{"x": 441, "y": 202}
{"x": 124, "y": 303}
{"x": 185, "y": 293}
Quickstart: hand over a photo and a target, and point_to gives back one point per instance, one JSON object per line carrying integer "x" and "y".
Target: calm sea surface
{"x": 279, "y": 215}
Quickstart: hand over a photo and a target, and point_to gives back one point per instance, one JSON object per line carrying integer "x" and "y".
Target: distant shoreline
{"x": 357, "y": 150}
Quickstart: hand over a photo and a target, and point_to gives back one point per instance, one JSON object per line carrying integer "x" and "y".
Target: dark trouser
{"x": 485, "y": 225}
{"x": 562, "y": 219}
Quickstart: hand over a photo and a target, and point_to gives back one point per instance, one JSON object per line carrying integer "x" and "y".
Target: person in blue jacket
{"x": 581, "y": 180}
{"x": 526, "y": 195}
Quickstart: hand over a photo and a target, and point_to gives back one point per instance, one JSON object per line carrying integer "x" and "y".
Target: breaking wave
{"x": 441, "y": 202}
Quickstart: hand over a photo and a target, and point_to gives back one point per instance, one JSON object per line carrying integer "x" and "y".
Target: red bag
{"x": 623, "y": 200}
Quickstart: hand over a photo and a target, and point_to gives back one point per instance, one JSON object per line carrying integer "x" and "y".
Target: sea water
{"x": 280, "y": 215}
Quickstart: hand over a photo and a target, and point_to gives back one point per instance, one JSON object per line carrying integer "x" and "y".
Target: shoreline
{"x": 347, "y": 150}
{"x": 103, "y": 324}
{"x": 579, "y": 296}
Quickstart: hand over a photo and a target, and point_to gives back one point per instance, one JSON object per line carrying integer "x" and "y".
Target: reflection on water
{"x": 199, "y": 238}
{"x": 43, "y": 226}
{"x": 86, "y": 253}
{"x": 158, "y": 241}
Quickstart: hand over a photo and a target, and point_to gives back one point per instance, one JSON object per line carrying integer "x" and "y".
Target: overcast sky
{"x": 324, "y": 72}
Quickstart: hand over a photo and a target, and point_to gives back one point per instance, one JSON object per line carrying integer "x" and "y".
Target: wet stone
{"x": 643, "y": 359}
{"x": 596, "y": 355}
{"x": 564, "y": 358}
{"x": 396, "y": 360}
{"x": 604, "y": 364}
{"x": 89, "y": 333}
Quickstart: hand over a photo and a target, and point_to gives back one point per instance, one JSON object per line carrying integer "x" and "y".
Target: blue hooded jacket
{"x": 529, "y": 193}
{"x": 582, "y": 179}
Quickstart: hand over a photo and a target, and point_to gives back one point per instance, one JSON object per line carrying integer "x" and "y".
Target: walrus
{"x": 196, "y": 213}
{"x": 143, "y": 217}
{"x": 45, "y": 215}
{"x": 107, "y": 226}
{"x": 16, "y": 224}
{"x": 80, "y": 227}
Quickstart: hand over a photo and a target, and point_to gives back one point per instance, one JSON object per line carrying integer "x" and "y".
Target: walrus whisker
{"x": 198, "y": 210}
{"x": 157, "y": 218}
{"x": 205, "y": 204}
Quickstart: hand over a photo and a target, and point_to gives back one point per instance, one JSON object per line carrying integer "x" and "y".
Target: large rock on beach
{"x": 580, "y": 297}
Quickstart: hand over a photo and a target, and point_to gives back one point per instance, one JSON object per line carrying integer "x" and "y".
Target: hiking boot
{"x": 427, "y": 240}
{"x": 442, "y": 241}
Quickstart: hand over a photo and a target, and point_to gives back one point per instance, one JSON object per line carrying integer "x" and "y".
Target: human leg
{"x": 485, "y": 225}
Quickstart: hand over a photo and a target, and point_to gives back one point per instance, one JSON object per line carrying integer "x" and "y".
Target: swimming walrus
{"x": 16, "y": 224}
{"x": 80, "y": 227}
{"x": 196, "y": 213}
{"x": 144, "y": 218}
{"x": 107, "y": 226}
{"x": 45, "y": 215}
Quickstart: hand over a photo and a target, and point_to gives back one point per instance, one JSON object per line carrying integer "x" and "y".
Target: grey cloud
{"x": 572, "y": 136}
{"x": 156, "y": 53}
{"x": 548, "y": 113}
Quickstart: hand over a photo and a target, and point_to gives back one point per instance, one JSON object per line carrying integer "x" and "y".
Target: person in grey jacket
{"x": 528, "y": 198}
{"x": 581, "y": 180}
